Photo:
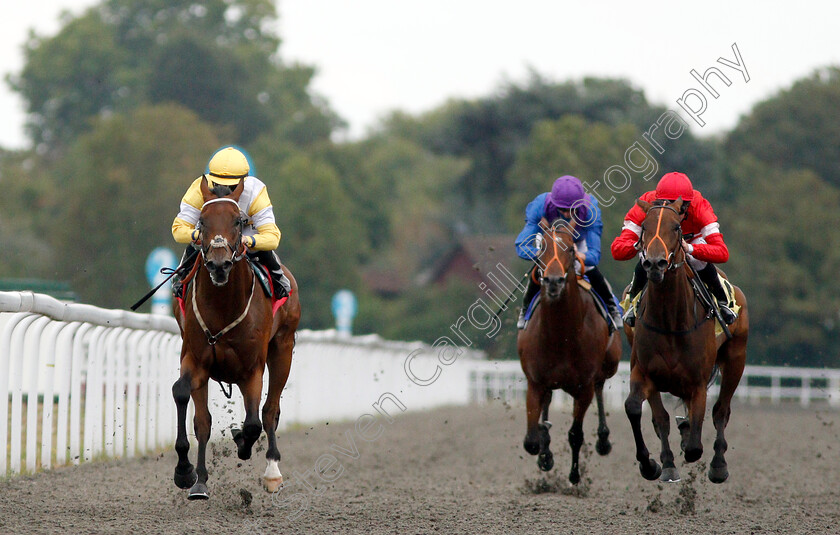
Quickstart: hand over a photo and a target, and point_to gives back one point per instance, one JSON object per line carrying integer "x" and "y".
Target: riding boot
{"x": 187, "y": 261}
{"x": 604, "y": 291}
{"x": 709, "y": 276}
{"x": 281, "y": 283}
{"x": 530, "y": 292}
{"x": 636, "y": 286}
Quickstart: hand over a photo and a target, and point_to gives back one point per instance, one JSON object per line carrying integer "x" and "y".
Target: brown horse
{"x": 567, "y": 345}
{"x": 230, "y": 335}
{"x": 675, "y": 350}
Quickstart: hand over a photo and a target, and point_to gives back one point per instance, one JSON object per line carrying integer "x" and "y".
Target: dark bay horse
{"x": 567, "y": 345}
{"x": 230, "y": 335}
{"x": 675, "y": 350}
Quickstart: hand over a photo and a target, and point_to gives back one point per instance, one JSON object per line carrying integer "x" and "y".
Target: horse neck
{"x": 567, "y": 311}
{"x": 670, "y": 304}
{"x": 230, "y": 298}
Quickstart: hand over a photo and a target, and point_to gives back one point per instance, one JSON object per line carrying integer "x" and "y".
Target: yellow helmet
{"x": 227, "y": 166}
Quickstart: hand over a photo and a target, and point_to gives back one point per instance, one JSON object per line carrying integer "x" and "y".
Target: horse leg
{"x": 603, "y": 446}
{"x": 545, "y": 460}
{"x": 185, "y": 475}
{"x": 251, "y": 428}
{"x": 662, "y": 425}
{"x": 731, "y": 371}
{"x": 279, "y": 363}
{"x": 582, "y": 403}
{"x": 536, "y": 437}
{"x": 696, "y": 413}
{"x": 202, "y": 422}
{"x": 649, "y": 468}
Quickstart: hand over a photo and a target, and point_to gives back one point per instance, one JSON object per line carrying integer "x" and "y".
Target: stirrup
{"x": 520, "y": 322}
{"x": 729, "y": 316}
{"x": 630, "y": 316}
{"x": 614, "y": 318}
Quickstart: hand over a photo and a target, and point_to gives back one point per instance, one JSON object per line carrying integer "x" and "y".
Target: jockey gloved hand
{"x": 687, "y": 247}
{"x": 578, "y": 267}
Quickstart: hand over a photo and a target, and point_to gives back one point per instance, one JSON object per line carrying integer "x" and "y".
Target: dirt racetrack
{"x": 458, "y": 470}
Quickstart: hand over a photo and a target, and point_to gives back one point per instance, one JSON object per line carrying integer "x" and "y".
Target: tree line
{"x": 127, "y": 101}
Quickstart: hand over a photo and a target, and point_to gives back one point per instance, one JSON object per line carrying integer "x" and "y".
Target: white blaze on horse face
{"x": 218, "y": 242}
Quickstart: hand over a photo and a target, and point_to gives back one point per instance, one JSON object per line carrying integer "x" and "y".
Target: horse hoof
{"x": 545, "y": 461}
{"x": 185, "y": 480}
{"x": 272, "y": 484}
{"x": 669, "y": 475}
{"x": 718, "y": 474}
{"x": 603, "y": 448}
{"x": 272, "y": 478}
{"x": 692, "y": 454}
{"x": 574, "y": 477}
{"x": 199, "y": 492}
{"x": 531, "y": 445}
{"x": 651, "y": 470}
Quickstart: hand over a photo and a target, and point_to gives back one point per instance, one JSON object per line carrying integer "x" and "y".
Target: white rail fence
{"x": 79, "y": 383}
{"x": 504, "y": 381}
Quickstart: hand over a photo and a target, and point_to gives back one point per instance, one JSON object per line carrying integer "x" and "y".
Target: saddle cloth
{"x": 585, "y": 285}
{"x": 728, "y": 288}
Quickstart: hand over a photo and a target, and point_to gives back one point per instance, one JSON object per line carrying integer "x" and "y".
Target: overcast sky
{"x": 374, "y": 56}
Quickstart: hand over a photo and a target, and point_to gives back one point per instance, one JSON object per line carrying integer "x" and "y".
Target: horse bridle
{"x": 671, "y": 254}
{"x": 219, "y": 241}
{"x": 556, "y": 257}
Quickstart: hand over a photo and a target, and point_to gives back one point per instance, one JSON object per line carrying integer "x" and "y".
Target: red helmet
{"x": 674, "y": 185}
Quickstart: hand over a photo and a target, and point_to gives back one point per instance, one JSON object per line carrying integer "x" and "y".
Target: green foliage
{"x": 217, "y": 58}
{"x": 127, "y": 102}
{"x": 27, "y": 197}
{"x": 784, "y": 247}
{"x": 490, "y": 132}
{"x": 795, "y": 129}
{"x": 322, "y": 240}
{"x": 120, "y": 189}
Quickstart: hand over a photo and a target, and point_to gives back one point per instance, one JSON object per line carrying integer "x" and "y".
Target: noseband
{"x": 220, "y": 242}
{"x": 671, "y": 254}
{"x": 556, "y": 257}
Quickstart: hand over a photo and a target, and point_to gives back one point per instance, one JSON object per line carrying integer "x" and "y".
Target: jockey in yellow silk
{"x": 260, "y": 234}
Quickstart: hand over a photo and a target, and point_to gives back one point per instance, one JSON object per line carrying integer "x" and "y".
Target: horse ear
{"x": 678, "y": 204}
{"x": 644, "y": 205}
{"x": 205, "y": 189}
{"x": 237, "y": 192}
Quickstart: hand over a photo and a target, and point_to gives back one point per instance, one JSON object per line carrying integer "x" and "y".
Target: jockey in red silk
{"x": 567, "y": 200}
{"x": 260, "y": 235}
{"x": 706, "y": 248}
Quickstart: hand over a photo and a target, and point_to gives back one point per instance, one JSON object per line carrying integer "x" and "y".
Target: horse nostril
{"x": 227, "y": 264}
{"x": 646, "y": 264}
{"x": 661, "y": 263}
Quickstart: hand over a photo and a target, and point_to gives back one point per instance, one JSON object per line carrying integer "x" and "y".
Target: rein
{"x": 219, "y": 242}
{"x": 213, "y": 338}
{"x": 659, "y": 330}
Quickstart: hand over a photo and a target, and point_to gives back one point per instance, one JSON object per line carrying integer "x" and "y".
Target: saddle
{"x": 584, "y": 285}
{"x": 631, "y": 302}
{"x": 260, "y": 272}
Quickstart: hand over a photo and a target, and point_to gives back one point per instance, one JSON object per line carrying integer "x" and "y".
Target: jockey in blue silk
{"x": 567, "y": 200}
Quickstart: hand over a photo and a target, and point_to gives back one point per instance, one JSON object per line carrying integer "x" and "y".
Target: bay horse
{"x": 230, "y": 335}
{"x": 566, "y": 344}
{"x": 675, "y": 349}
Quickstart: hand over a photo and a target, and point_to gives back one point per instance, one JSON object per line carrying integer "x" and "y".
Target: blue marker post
{"x": 344, "y": 308}
{"x": 162, "y": 299}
